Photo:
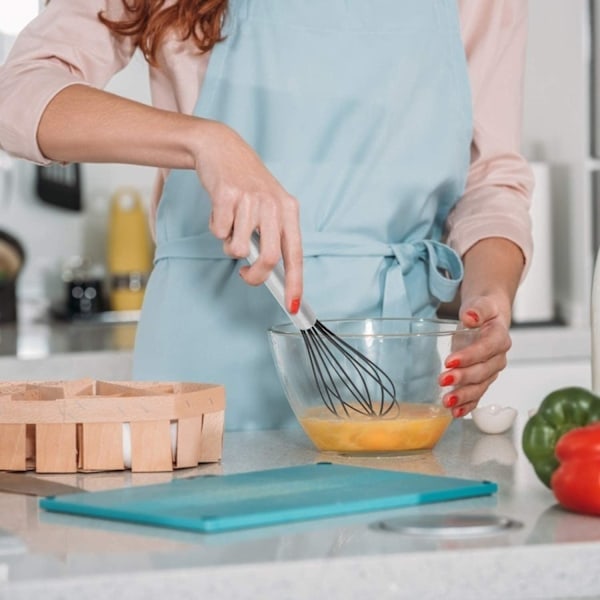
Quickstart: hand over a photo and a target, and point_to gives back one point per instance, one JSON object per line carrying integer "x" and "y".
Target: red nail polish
{"x": 473, "y": 315}
{"x": 447, "y": 380}
{"x": 451, "y": 401}
{"x": 459, "y": 412}
{"x": 295, "y": 306}
{"x": 453, "y": 364}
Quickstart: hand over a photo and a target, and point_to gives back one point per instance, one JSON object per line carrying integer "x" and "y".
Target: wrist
{"x": 493, "y": 269}
{"x": 196, "y": 140}
{"x": 206, "y": 135}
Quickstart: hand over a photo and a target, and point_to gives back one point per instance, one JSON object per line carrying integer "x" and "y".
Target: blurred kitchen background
{"x": 61, "y": 216}
{"x": 69, "y": 224}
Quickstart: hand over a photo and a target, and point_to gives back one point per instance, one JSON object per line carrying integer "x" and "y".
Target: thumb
{"x": 476, "y": 311}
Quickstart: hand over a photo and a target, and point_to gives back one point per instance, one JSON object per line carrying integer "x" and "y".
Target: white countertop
{"x": 555, "y": 554}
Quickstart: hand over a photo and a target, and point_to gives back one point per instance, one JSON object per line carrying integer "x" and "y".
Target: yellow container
{"x": 129, "y": 250}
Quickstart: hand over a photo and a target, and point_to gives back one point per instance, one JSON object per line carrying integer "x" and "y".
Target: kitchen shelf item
{"x": 347, "y": 381}
{"x": 412, "y": 351}
{"x": 83, "y": 283}
{"x": 80, "y": 425}
{"x": 534, "y": 301}
{"x": 129, "y": 250}
{"x": 12, "y": 260}
{"x": 59, "y": 185}
{"x": 269, "y": 497}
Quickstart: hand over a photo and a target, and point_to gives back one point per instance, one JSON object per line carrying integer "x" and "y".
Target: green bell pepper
{"x": 559, "y": 412}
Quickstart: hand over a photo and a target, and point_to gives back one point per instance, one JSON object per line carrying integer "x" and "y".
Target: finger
{"x": 269, "y": 255}
{"x": 493, "y": 338}
{"x": 474, "y": 374}
{"x": 466, "y": 406}
{"x": 237, "y": 245}
{"x": 477, "y": 312}
{"x": 268, "y": 224}
{"x": 291, "y": 247}
{"x": 464, "y": 399}
{"x": 221, "y": 219}
{"x": 465, "y": 409}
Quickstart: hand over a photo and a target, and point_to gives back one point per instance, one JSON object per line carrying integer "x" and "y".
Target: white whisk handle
{"x": 305, "y": 318}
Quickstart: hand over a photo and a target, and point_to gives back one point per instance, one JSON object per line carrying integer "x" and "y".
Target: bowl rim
{"x": 289, "y": 329}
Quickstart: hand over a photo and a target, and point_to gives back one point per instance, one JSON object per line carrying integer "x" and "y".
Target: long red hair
{"x": 150, "y": 20}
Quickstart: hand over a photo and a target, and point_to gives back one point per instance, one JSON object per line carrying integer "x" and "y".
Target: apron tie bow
{"x": 439, "y": 263}
{"x": 444, "y": 272}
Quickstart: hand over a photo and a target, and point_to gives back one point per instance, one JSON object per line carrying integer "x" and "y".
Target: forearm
{"x": 493, "y": 267}
{"x": 84, "y": 124}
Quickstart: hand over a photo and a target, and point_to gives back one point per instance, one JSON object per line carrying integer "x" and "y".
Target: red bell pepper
{"x": 576, "y": 482}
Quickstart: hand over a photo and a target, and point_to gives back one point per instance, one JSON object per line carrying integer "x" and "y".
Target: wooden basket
{"x": 69, "y": 426}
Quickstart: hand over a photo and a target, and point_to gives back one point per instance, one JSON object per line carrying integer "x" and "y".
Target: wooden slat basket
{"x": 90, "y": 425}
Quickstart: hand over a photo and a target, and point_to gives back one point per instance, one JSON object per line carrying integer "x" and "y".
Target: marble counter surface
{"x": 554, "y": 554}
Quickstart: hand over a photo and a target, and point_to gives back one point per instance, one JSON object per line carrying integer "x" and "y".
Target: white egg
{"x": 494, "y": 418}
{"x": 127, "y": 443}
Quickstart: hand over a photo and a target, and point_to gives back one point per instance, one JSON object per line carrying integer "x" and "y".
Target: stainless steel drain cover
{"x": 449, "y": 525}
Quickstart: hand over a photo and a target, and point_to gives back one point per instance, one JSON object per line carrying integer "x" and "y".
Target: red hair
{"x": 150, "y": 20}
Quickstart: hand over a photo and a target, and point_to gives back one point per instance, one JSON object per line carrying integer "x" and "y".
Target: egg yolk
{"x": 413, "y": 427}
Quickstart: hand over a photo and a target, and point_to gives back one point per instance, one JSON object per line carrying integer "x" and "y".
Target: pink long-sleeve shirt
{"x": 67, "y": 44}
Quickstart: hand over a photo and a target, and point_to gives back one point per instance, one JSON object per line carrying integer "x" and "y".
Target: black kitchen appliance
{"x": 60, "y": 185}
{"x": 12, "y": 258}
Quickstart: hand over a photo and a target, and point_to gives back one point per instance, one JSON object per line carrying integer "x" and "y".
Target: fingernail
{"x": 459, "y": 412}
{"x": 447, "y": 380}
{"x": 451, "y": 401}
{"x": 295, "y": 306}
{"x": 473, "y": 315}
{"x": 453, "y": 364}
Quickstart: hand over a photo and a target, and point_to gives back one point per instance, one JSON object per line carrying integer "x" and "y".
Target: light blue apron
{"x": 362, "y": 111}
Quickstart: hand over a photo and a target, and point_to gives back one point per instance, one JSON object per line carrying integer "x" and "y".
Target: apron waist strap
{"x": 442, "y": 265}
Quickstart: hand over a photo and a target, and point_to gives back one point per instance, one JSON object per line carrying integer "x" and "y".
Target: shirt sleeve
{"x": 65, "y": 45}
{"x": 499, "y": 185}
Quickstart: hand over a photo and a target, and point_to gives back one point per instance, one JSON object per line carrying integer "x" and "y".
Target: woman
{"x": 355, "y": 136}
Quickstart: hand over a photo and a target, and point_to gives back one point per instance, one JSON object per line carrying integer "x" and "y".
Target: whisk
{"x": 347, "y": 380}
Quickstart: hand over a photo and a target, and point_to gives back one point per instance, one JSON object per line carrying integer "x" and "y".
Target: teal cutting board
{"x": 228, "y": 502}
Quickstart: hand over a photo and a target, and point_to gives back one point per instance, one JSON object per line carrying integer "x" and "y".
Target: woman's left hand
{"x": 470, "y": 370}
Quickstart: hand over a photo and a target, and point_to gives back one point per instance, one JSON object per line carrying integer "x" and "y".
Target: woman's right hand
{"x": 246, "y": 197}
{"x": 244, "y": 194}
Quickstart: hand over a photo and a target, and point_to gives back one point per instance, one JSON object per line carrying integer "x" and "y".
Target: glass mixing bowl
{"x": 410, "y": 351}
